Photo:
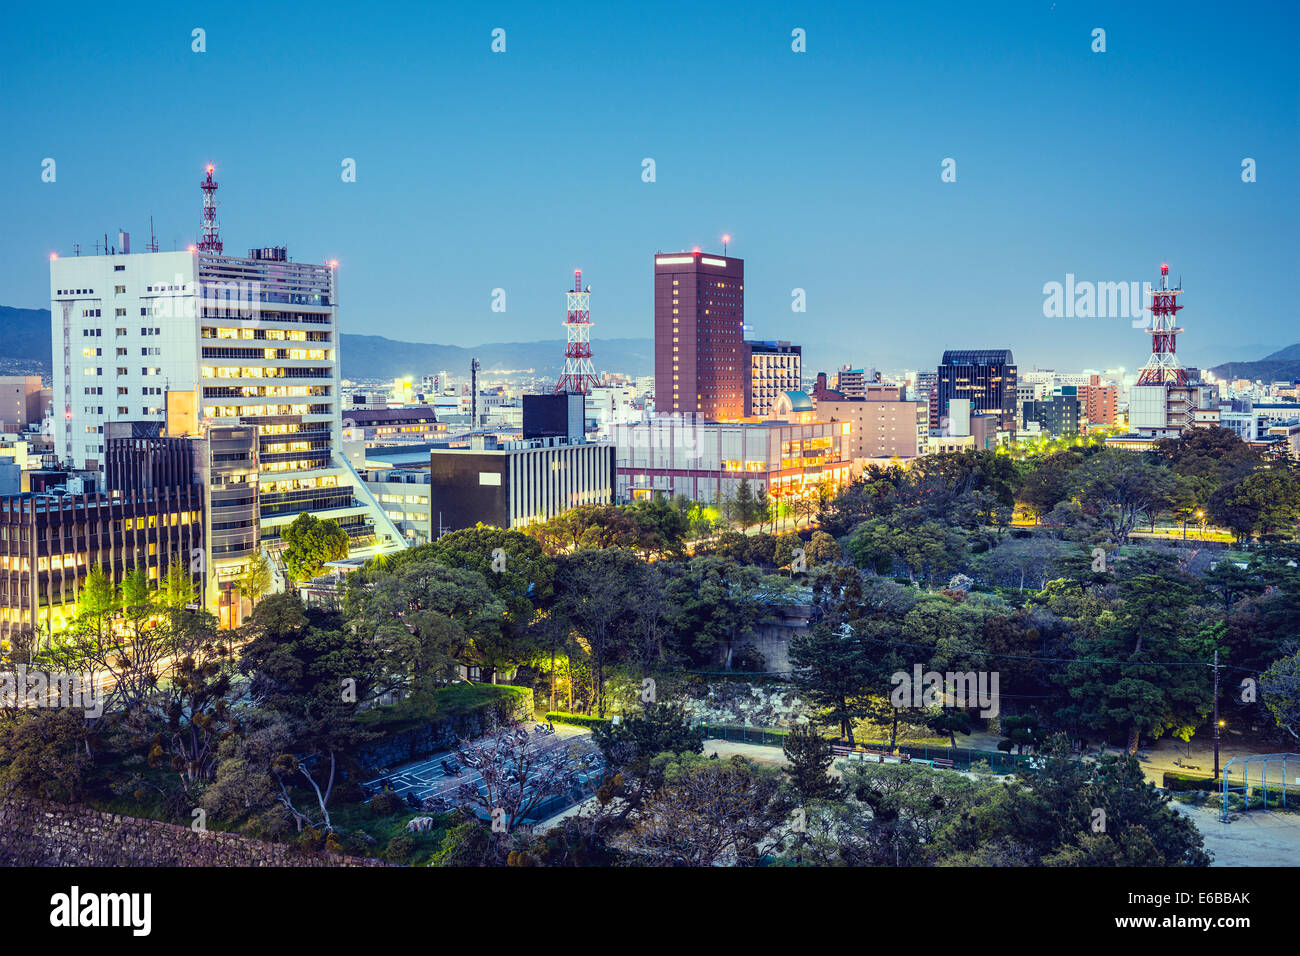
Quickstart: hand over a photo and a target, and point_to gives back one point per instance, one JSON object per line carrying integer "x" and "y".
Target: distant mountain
{"x": 25, "y": 350}
{"x": 24, "y": 341}
{"x": 376, "y": 357}
{"x": 1283, "y": 364}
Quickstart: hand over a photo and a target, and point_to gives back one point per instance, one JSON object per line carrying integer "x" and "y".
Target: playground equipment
{"x": 1270, "y": 770}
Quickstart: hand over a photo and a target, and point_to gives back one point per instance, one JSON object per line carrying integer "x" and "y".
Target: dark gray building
{"x": 985, "y": 376}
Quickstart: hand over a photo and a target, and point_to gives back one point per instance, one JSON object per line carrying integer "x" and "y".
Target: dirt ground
{"x": 1257, "y": 838}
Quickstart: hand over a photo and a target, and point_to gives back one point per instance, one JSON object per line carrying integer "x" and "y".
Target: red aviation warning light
{"x": 579, "y": 374}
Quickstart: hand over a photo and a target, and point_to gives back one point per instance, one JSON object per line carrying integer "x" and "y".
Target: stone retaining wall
{"x": 35, "y": 833}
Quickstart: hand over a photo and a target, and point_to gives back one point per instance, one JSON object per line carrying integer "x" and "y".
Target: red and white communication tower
{"x": 210, "y": 240}
{"x": 1163, "y": 367}
{"x": 579, "y": 374}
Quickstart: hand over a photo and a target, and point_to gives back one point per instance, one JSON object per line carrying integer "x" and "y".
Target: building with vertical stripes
{"x": 512, "y": 484}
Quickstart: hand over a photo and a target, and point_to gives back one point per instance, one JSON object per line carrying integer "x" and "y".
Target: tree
{"x": 1280, "y": 691}
{"x": 516, "y": 774}
{"x": 630, "y": 746}
{"x": 711, "y": 812}
{"x": 195, "y": 706}
{"x": 950, "y": 722}
{"x": 823, "y": 549}
{"x": 831, "y": 668}
{"x": 1138, "y": 677}
{"x": 1055, "y": 814}
{"x": 1121, "y": 489}
{"x": 594, "y": 593}
{"x": 310, "y": 542}
{"x": 423, "y": 618}
{"x": 1048, "y": 483}
{"x": 745, "y": 504}
{"x": 810, "y": 756}
{"x": 45, "y": 754}
{"x": 313, "y": 672}
{"x": 255, "y": 580}
{"x": 116, "y": 633}
{"x": 1262, "y": 503}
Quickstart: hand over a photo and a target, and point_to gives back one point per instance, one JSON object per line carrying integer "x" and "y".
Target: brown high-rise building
{"x": 1099, "y": 402}
{"x": 701, "y": 362}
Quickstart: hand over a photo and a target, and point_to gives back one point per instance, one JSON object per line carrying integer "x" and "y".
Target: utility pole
{"x": 1216, "y": 713}
{"x": 473, "y": 395}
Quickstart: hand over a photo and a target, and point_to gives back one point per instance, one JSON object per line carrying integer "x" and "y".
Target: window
{"x": 119, "y": 290}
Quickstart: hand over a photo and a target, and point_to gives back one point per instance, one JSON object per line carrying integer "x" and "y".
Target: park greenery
{"x": 1040, "y": 566}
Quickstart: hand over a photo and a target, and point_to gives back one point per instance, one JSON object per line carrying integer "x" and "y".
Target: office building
{"x": 774, "y": 367}
{"x": 50, "y": 542}
{"x": 1060, "y": 414}
{"x": 700, "y": 360}
{"x": 512, "y": 484}
{"x": 199, "y": 338}
{"x": 987, "y": 377}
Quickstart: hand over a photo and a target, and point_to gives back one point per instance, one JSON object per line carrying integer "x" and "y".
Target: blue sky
{"x": 478, "y": 170}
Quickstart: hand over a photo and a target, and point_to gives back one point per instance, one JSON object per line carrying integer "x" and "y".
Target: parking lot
{"x": 429, "y": 780}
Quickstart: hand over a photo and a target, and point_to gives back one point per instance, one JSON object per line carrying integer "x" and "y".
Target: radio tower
{"x": 211, "y": 239}
{"x": 1163, "y": 367}
{"x": 579, "y": 374}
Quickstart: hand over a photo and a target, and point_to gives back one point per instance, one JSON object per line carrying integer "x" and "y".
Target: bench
{"x": 945, "y": 764}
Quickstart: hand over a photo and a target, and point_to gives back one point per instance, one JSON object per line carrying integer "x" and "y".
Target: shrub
{"x": 1182, "y": 782}
{"x": 399, "y": 849}
{"x": 386, "y": 802}
{"x": 576, "y": 720}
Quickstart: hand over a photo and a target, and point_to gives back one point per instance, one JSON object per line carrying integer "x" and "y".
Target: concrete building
{"x": 700, "y": 360}
{"x": 200, "y": 338}
{"x": 1061, "y": 414}
{"x": 774, "y": 367}
{"x": 386, "y": 426}
{"x": 853, "y": 382}
{"x": 882, "y": 424}
{"x": 403, "y": 493}
{"x": 1100, "y": 402}
{"x": 21, "y": 402}
{"x": 513, "y": 484}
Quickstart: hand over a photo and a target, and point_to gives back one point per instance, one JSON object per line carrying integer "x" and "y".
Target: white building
{"x": 183, "y": 337}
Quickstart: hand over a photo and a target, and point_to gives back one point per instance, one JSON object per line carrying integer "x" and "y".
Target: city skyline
{"x": 506, "y": 187}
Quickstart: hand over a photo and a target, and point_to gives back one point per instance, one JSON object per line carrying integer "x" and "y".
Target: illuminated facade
{"x": 195, "y": 339}
{"x": 49, "y": 543}
{"x": 706, "y": 461}
{"x": 701, "y": 364}
{"x": 513, "y": 484}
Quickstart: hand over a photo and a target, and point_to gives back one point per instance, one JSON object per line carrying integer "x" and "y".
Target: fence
{"x": 963, "y": 758}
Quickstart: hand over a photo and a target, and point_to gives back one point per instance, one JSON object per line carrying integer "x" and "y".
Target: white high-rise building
{"x": 204, "y": 338}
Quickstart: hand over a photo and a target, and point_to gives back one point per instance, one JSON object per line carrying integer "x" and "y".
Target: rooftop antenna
{"x": 211, "y": 237}
{"x": 153, "y": 239}
{"x": 579, "y": 374}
